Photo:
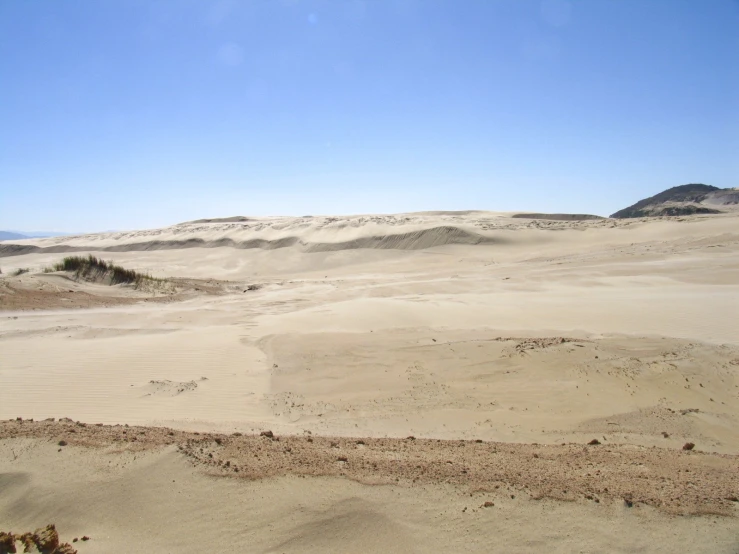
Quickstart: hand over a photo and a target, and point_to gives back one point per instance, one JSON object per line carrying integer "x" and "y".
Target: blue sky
{"x": 129, "y": 114}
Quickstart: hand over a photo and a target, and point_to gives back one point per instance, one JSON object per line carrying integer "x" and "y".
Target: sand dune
{"x": 440, "y": 325}
{"x": 402, "y": 231}
{"x": 416, "y": 240}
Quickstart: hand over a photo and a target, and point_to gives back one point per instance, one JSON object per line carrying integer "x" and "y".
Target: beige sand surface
{"x": 441, "y": 325}
{"x": 152, "y": 490}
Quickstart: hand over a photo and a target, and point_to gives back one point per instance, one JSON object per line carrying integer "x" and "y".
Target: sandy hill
{"x": 306, "y": 234}
{"x": 683, "y": 200}
{"x": 314, "y": 234}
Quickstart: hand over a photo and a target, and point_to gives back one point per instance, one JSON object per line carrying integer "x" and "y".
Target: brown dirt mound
{"x": 44, "y": 540}
{"x": 32, "y": 292}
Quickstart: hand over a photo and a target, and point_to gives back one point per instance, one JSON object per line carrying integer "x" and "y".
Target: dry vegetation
{"x": 91, "y": 267}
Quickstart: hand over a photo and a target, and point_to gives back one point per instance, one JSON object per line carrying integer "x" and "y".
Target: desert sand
{"x": 502, "y": 345}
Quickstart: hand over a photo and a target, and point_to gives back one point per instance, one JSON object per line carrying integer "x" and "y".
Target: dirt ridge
{"x": 674, "y": 481}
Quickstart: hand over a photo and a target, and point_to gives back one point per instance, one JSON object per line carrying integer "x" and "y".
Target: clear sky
{"x": 129, "y": 114}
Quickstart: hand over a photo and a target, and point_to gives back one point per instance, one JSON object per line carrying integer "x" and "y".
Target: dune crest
{"x": 413, "y": 240}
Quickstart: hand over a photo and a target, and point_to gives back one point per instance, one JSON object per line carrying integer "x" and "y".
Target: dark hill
{"x": 688, "y": 195}
{"x": 10, "y": 235}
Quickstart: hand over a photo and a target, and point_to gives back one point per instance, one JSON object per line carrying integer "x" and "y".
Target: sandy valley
{"x": 424, "y": 382}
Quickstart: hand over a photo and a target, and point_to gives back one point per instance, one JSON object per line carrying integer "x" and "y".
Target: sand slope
{"x": 130, "y": 492}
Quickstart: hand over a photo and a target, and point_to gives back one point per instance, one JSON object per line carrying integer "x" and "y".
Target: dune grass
{"x": 92, "y": 266}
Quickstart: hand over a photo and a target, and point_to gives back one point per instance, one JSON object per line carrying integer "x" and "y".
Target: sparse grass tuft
{"x": 20, "y": 271}
{"x": 92, "y": 266}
